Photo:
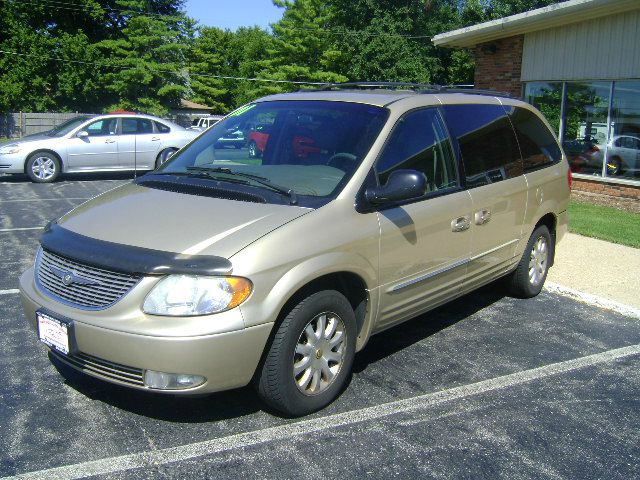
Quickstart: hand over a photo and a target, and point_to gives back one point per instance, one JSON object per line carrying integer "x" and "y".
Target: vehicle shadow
{"x": 244, "y": 401}
{"x": 419, "y": 328}
{"x": 74, "y": 177}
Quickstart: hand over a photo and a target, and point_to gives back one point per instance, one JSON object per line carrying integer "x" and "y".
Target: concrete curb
{"x": 593, "y": 300}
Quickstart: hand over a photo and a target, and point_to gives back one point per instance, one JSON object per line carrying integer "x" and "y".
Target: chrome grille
{"x": 100, "y": 288}
{"x": 100, "y": 368}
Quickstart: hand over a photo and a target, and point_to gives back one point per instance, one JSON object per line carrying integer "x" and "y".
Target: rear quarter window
{"x": 538, "y": 145}
{"x": 486, "y": 141}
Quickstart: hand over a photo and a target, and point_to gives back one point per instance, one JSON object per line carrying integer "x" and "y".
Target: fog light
{"x": 171, "y": 381}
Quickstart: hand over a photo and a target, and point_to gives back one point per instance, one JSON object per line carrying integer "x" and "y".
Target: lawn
{"x": 605, "y": 223}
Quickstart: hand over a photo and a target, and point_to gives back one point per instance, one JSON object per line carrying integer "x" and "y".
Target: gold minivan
{"x": 364, "y": 206}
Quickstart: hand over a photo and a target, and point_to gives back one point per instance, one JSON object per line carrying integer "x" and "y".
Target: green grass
{"x": 605, "y": 223}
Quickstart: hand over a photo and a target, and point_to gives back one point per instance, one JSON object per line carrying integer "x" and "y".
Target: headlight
{"x": 9, "y": 149}
{"x": 184, "y": 295}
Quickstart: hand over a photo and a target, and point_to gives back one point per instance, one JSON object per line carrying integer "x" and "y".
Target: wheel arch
{"x": 550, "y": 221}
{"x": 44, "y": 150}
{"x": 349, "y": 284}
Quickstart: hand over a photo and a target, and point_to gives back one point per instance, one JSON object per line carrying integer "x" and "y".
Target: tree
{"x": 147, "y": 61}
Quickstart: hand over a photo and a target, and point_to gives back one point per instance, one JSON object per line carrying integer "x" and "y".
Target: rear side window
{"x": 162, "y": 128}
{"x": 538, "y": 145}
{"x": 132, "y": 126}
{"x": 488, "y": 146}
{"x": 420, "y": 142}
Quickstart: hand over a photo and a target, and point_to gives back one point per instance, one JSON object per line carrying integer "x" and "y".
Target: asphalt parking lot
{"x": 485, "y": 387}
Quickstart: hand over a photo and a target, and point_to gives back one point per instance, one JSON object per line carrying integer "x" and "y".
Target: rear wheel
{"x": 253, "y": 149}
{"x": 528, "y": 278}
{"x": 309, "y": 360}
{"x": 43, "y": 167}
{"x": 614, "y": 166}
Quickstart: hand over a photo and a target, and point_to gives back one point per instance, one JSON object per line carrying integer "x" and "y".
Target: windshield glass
{"x": 67, "y": 126}
{"x": 308, "y": 147}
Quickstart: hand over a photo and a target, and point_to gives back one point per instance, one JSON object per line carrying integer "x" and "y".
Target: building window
{"x": 623, "y": 148}
{"x": 600, "y": 124}
{"x": 546, "y": 97}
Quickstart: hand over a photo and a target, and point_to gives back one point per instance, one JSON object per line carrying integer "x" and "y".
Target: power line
{"x": 331, "y": 31}
{"x": 87, "y": 9}
{"x": 221, "y": 77}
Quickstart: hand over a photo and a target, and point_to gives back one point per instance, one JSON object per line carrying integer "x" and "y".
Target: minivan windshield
{"x": 303, "y": 148}
{"x": 67, "y": 126}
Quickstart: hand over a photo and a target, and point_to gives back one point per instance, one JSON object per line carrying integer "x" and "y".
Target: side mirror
{"x": 82, "y": 134}
{"x": 401, "y": 185}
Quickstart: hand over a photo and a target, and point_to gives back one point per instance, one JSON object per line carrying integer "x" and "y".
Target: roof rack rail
{"x": 416, "y": 87}
{"x": 390, "y": 85}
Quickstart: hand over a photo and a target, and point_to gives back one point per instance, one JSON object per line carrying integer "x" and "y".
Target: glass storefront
{"x": 597, "y": 122}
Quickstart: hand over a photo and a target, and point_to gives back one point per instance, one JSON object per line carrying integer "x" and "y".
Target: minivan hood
{"x": 176, "y": 222}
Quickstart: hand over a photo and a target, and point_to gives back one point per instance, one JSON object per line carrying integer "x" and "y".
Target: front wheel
{"x": 528, "y": 278}
{"x": 310, "y": 358}
{"x": 165, "y": 155}
{"x": 43, "y": 167}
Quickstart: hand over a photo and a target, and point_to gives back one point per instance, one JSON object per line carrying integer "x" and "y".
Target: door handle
{"x": 155, "y": 139}
{"x": 109, "y": 140}
{"x": 482, "y": 216}
{"x": 460, "y": 224}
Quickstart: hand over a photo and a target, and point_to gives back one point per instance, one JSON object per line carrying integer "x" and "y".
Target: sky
{"x": 232, "y": 14}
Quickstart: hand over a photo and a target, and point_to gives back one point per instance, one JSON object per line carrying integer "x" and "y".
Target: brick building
{"x": 578, "y": 62}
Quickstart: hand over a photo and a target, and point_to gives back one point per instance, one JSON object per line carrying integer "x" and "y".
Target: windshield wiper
{"x": 293, "y": 198}
{"x": 201, "y": 174}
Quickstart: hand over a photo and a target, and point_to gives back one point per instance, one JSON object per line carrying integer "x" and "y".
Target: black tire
{"x": 164, "y": 156}
{"x": 43, "y": 167}
{"x": 527, "y": 279}
{"x": 277, "y": 383}
{"x": 614, "y": 167}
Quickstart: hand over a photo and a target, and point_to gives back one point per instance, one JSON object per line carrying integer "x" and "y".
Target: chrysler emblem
{"x": 69, "y": 276}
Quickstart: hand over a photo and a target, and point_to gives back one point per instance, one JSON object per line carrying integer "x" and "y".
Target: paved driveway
{"x": 485, "y": 387}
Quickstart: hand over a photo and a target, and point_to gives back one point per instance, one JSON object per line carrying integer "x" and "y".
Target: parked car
{"x": 104, "y": 143}
{"x": 218, "y": 270}
{"x": 257, "y": 140}
{"x": 623, "y": 155}
{"x": 232, "y": 137}
{"x": 202, "y": 123}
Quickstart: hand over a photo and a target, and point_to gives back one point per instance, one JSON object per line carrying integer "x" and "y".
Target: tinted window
{"x": 136, "y": 126}
{"x": 162, "y": 128}
{"x": 102, "y": 127}
{"x": 487, "y": 143}
{"x": 537, "y": 144}
{"x": 419, "y": 142}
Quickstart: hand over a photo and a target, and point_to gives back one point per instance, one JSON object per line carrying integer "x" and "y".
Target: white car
{"x": 105, "y": 143}
{"x": 202, "y": 123}
{"x": 623, "y": 155}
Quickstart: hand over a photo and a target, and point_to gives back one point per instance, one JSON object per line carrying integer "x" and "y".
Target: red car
{"x": 257, "y": 141}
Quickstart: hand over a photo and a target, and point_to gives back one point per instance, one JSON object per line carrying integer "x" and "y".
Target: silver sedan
{"x": 105, "y": 143}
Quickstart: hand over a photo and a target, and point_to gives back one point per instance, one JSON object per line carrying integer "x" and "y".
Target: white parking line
{"x": 305, "y": 427}
{"x": 593, "y": 300}
{"x": 44, "y": 199}
{"x": 19, "y": 229}
{"x": 11, "y": 291}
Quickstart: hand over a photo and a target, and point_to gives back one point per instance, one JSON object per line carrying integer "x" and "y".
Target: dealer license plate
{"x": 53, "y": 332}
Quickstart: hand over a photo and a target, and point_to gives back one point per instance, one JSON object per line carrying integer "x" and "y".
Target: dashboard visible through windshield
{"x": 305, "y": 149}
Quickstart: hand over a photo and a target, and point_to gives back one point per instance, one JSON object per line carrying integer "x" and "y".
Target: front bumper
{"x": 227, "y": 360}
{"x": 12, "y": 163}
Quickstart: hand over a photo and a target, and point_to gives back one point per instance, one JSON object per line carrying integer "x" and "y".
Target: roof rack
{"x": 416, "y": 87}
